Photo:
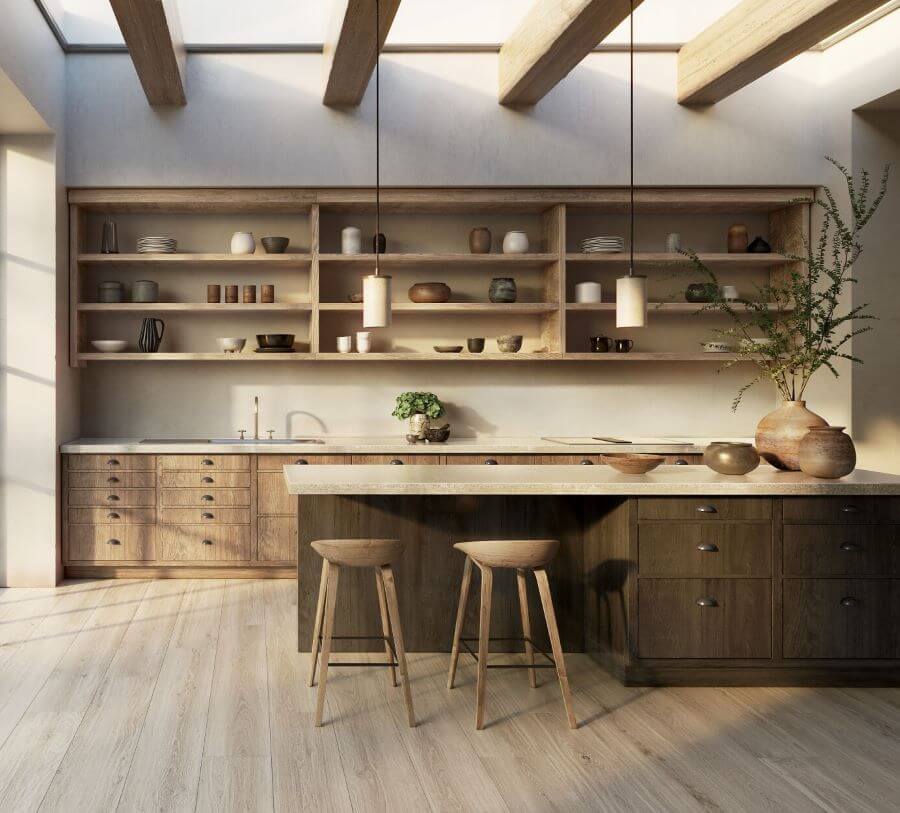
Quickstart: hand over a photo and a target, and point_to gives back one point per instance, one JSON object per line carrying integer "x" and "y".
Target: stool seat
{"x": 359, "y": 552}
{"x": 517, "y": 553}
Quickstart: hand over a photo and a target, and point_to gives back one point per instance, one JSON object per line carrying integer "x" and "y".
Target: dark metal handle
{"x": 207, "y": 498}
{"x": 206, "y": 462}
{"x": 301, "y": 462}
{"x": 112, "y": 479}
{"x": 681, "y": 462}
{"x": 849, "y": 601}
{"x": 207, "y": 541}
{"x": 707, "y": 547}
{"x": 707, "y": 509}
{"x": 112, "y": 515}
{"x": 112, "y": 462}
{"x": 113, "y": 542}
{"x": 850, "y": 546}
{"x": 113, "y": 498}
{"x": 587, "y": 462}
{"x": 207, "y": 515}
{"x": 207, "y": 480}
{"x": 490, "y": 462}
{"x": 849, "y": 509}
{"x": 707, "y": 601}
{"x": 396, "y": 462}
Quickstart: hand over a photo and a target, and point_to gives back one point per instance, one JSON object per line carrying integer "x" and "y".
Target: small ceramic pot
{"x": 145, "y": 290}
{"x": 242, "y": 242}
{"x": 729, "y": 293}
{"x": 515, "y": 242}
{"x": 779, "y": 433}
{"x": 275, "y": 245}
{"x": 623, "y": 345}
{"x": 429, "y": 292}
{"x": 701, "y": 292}
{"x": 344, "y": 344}
{"x": 480, "y": 240}
{"x": 731, "y": 458}
{"x": 759, "y": 246}
{"x": 351, "y": 240}
{"x": 213, "y": 293}
{"x": 363, "y": 341}
{"x": 267, "y": 293}
{"x": 673, "y": 242}
{"x": 438, "y": 434}
{"x": 249, "y": 294}
{"x": 588, "y": 292}
{"x": 231, "y": 294}
{"x": 509, "y": 344}
{"x": 827, "y": 452}
{"x": 737, "y": 238}
{"x": 475, "y": 345}
{"x": 503, "y": 289}
{"x": 109, "y": 292}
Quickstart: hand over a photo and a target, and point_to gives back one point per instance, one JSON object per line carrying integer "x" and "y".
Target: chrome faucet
{"x": 255, "y": 417}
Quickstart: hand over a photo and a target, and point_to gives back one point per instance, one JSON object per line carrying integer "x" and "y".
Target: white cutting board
{"x": 627, "y": 440}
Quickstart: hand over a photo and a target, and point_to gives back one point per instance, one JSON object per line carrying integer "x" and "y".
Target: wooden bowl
{"x": 426, "y": 293}
{"x": 628, "y": 463}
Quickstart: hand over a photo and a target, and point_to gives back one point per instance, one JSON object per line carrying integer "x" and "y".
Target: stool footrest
{"x": 551, "y": 664}
{"x": 392, "y": 663}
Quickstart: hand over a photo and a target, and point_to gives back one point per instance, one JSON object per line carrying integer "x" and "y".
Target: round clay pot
{"x": 779, "y": 433}
{"x": 826, "y": 451}
{"x": 509, "y": 343}
{"x": 480, "y": 240}
{"x": 731, "y": 458}
{"x": 737, "y": 239}
{"x": 428, "y": 292}
{"x": 503, "y": 289}
{"x": 700, "y": 292}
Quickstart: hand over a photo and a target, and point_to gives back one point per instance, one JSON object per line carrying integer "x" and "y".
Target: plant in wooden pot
{"x": 419, "y": 408}
{"x": 798, "y": 322}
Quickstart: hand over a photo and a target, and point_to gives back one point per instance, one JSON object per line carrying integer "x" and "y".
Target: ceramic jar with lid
{"x": 110, "y": 291}
{"x": 145, "y": 290}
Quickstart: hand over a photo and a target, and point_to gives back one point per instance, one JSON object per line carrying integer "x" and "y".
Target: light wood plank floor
{"x": 190, "y": 695}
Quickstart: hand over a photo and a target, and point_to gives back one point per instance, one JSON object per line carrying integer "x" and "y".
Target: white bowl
{"x": 231, "y": 345}
{"x": 110, "y": 345}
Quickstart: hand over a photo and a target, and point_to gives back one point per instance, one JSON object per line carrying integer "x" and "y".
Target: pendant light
{"x": 376, "y": 287}
{"x": 631, "y": 290}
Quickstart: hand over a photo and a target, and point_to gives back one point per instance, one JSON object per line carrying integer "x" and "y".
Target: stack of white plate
{"x": 157, "y": 245}
{"x": 603, "y": 245}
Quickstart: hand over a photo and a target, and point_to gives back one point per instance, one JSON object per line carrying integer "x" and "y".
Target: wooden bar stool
{"x": 525, "y": 554}
{"x": 377, "y": 554}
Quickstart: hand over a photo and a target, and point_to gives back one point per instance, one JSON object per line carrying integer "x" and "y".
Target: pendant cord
{"x": 631, "y": 133}
{"x": 377, "y": 134}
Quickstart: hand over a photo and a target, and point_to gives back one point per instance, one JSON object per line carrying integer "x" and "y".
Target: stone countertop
{"x": 577, "y": 480}
{"x": 336, "y": 444}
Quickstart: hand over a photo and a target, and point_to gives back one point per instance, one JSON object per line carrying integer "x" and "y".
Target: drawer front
{"x": 494, "y": 459}
{"x": 276, "y": 539}
{"x": 705, "y": 508}
{"x": 200, "y": 497}
{"x": 204, "y": 516}
{"x": 114, "y": 515}
{"x": 203, "y": 543}
{"x": 275, "y": 462}
{"x": 204, "y": 479}
{"x": 705, "y": 549}
{"x": 111, "y": 462}
{"x": 119, "y": 497}
{"x": 272, "y": 494}
{"x": 113, "y": 543}
{"x": 114, "y": 479}
{"x": 841, "y": 550}
{"x": 831, "y": 509}
{"x": 841, "y": 618}
{"x": 562, "y": 459}
{"x": 396, "y": 459}
{"x": 204, "y": 462}
{"x": 705, "y": 618}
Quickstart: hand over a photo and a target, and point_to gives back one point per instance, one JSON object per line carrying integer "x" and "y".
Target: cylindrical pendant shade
{"x": 376, "y": 301}
{"x": 631, "y": 301}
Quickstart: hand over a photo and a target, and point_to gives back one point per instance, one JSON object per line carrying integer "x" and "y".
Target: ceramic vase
{"x": 737, "y": 239}
{"x": 503, "y": 289}
{"x": 779, "y": 433}
{"x": 351, "y": 240}
{"x": 827, "y": 452}
{"x": 515, "y": 242}
{"x": 151, "y": 334}
{"x": 418, "y": 423}
{"x": 480, "y": 240}
{"x": 731, "y": 458}
{"x": 242, "y": 242}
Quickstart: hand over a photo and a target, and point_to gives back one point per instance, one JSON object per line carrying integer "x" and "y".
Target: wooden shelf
{"x": 228, "y": 357}
{"x": 663, "y": 307}
{"x": 649, "y": 258}
{"x": 472, "y": 308}
{"x": 632, "y": 356}
{"x": 215, "y": 260}
{"x": 364, "y": 261}
{"x": 194, "y": 307}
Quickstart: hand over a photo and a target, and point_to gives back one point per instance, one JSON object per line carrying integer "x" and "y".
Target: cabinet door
{"x": 841, "y": 550}
{"x": 705, "y": 549}
{"x": 705, "y": 618}
{"x": 272, "y": 495}
{"x": 277, "y": 539}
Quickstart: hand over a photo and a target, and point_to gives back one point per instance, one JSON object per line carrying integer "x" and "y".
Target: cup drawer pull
{"x": 849, "y": 601}
{"x": 587, "y": 462}
{"x": 112, "y": 480}
{"x": 207, "y": 480}
{"x": 206, "y": 462}
{"x": 112, "y": 462}
{"x": 112, "y": 515}
{"x": 490, "y": 462}
{"x": 707, "y": 601}
{"x": 301, "y": 462}
{"x": 849, "y": 509}
{"x": 850, "y": 546}
{"x": 396, "y": 462}
{"x": 207, "y": 498}
{"x": 113, "y": 542}
{"x": 707, "y": 509}
{"x": 707, "y": 547}
{"x": 113, "y": 498}
{"x": 207, "y": 515}
{"x": 681, "y": 462}
{"x": 207, "y": 541}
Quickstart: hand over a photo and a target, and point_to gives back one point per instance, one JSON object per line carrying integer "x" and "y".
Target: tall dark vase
{"x": 151, "y": 336}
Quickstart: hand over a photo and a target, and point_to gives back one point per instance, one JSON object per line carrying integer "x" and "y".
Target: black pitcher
{"x": 151, "y": 335}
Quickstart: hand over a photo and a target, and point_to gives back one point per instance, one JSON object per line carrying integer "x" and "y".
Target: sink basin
{"x": 234, "y": 441}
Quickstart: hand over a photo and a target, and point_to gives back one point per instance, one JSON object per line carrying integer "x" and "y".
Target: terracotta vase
{"x": 779, "y": 433}
{"x": 480, "y": 240}
{"x": 737, "y": 238}
{"x": 827, "y": 452}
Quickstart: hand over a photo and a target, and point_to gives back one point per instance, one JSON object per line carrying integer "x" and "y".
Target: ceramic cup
{"x": 601, "y": 344}
{"x": 351, "y": 240}
{"x": 673, "y": 242}
{"x": 729, "y": 293}
{"x": 623, "y": 345}
{"x": 249, "y": 294}
{"x": 344, "y": 344}
{"x": 588, "y": 292}
{"x": 213, "y": 293}
{"x": 475, "y": 344}
{"x": 231, "y": 294}
{"x": 363, "y": 341}
{"x": 267, "y": 293}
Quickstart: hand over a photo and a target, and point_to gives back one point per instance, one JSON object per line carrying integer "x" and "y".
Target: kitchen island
{"x": 680, "y": 576}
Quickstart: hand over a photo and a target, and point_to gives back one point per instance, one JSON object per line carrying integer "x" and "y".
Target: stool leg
{"x": 526, "y": 625}
{"x": 460, "y": 617}
{"x": 385, "y": 625}
{"x": 390, "y": 595}
{"x": 540, "y": 576}
{"x": 330, "y": 602}
{"x": 484, "y": 634}
{"x": 317, "y": 624}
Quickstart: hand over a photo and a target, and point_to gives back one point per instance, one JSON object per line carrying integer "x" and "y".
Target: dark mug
{"x": 600, "y": 344}
{"x": 379, "y": 244}
{"x": 623, "y": 345}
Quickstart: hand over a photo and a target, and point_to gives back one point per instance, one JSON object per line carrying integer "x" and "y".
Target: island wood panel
{"x": 429, "y": 573}
{"x": 705, "y": 549}
{"x": 276, "y": 538}
{"x": 841, "y": 550}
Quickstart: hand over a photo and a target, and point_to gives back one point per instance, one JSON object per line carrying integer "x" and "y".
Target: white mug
{"x": 351, "y": 240}
{"x": 344, "y": 344}
{"x": 363, "y": 341}
{"x": 729, "y": 293}
{"x": 588, "y": 292}
{"x": 673, "y": 242}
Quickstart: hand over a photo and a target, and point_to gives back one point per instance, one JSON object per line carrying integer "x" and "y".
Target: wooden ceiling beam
{"x": 349, "y": 51}
{"x": 552, "y": 39}
{"x": 152, "y": 32}
{"x": 755, "y": 37}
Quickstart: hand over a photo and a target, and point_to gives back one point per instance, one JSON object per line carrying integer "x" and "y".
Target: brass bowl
{"x": 630, "y": 463}
{"x": 731, "y": 458}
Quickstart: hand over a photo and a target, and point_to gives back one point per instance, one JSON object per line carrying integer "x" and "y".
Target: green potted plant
{"x": 797, "y": 324}
{"x": 419, "y": 408}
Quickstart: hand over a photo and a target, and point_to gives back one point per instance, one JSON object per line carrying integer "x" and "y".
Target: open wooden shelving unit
{"x": 555, "y": 328}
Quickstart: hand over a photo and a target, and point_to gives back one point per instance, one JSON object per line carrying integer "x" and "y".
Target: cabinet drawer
{"x": 204, "y": 462}
{"x": 276, "y": 539}
{"x": 841, "y": 550}
{"x": 202, "y": 516}
{"x": 735, "y": 623}
{"x": 184, "y": 497}
{"x": 110, "y": 462}
{"x": 203, "y": 543}
{"x": 115, "y": 479}
{"x": 205, "y": 479}
{"x": 120, "y": 497}
{"x": 493, "y": 459}
{"x": 830, "y": 509}
{"x": 841, "y": 618}
{"x": 275, "y": 462}
{"x": 705, "y": 549}
{"x": 95, "y": 543}
{"x": 113, "y": 515}
{"x": 272, "y": 494}
{"x": 705, "y": 508}
{"x": 559, "y": 459}
{"x": 396, "y": 459}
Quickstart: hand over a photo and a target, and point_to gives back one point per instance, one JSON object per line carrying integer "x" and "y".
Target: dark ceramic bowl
{"x": 275, "y": 245}
{"x": 275, "y": 339}
{"x": 438, "y": 434}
